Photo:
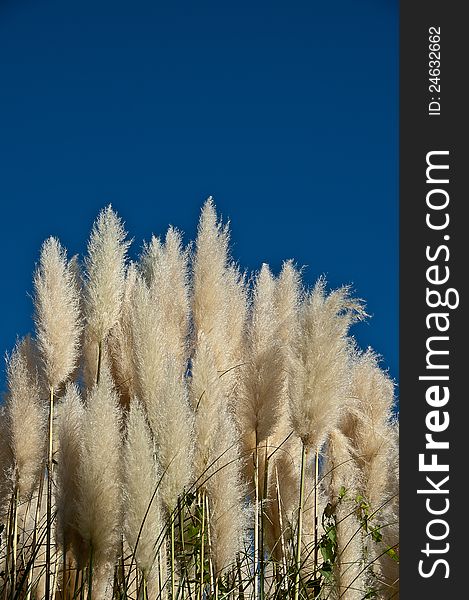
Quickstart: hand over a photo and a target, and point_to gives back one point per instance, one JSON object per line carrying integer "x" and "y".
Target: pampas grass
{"x": 120, "y": 344}
{"x": 218, "y": 293}
{"x": 25, "y": 420}
{"x": 226, "y": 493}
{"x": 69, "y": 435}
{"x": 162, "y": 389}
{"x": 211, "y": 433}
{"x": 165, "y": 266}
{"x": 57, "y": 305}
{"x": 208, "y": 402}
{"x": 104, "y": 286}
{"x": 371, "y": 428}
{"x": 173, "y": 434}
{"x": 105, "y": 274}
{"x": 98, "y": 505}
{"x": 320, "y": 373}
{"x": 259, "y": 406}
{"x": 342, "y": 483}
{"x": 143, "y": 522}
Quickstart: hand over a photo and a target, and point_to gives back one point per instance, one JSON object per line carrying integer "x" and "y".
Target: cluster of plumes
{"x": 178, "y": 376}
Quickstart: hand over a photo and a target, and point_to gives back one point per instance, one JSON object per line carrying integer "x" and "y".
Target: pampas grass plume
{"x": 148, "y": 345}
{"x": 57, "y": 313}
{"x": 217, "y": 461}
{"x": 209, "y": 283}
{"x": 208, "y": 401}
{"x": 161, "y": 388}
{"x": 25, "y": 418}
{"x": 226, "y": 492}
{"x": 143, "y": 523}
{"x": 105, "y": 274}
{"x": 6, "y": 462}
{"x": 172, "y": 422}
{"x": 166, "y": 270}
{"x": 69, "y": 435}
{"x": 341, "y": 474}
{"x": 259, "y": 406}
{"x": 120, "y": 342}
{"x": 319, "y": 377}
{"x": 99, "y": 473}
{"x": 372, "y": 430}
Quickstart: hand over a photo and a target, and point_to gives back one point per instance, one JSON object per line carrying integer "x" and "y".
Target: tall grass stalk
{"x": 210, "y": 547}
{"x": 283, "y": 556}
{"x": 202, "y": 546}
{"x": 50, "y": 457}
{"x": 256, "y": 523}
{"x": 15, "y": 539}
{"x": 263, "y": 520}
{"x": 300, "y": 522}
{"x": 173, "y": 557}
{"x": 316, "y": 515}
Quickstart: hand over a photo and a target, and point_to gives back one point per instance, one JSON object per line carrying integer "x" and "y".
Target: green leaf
{"x": 393, "y": 554}
{"x": 326, "y": 571}
{"x": 376, "y": 534}
{"x": 327, "y": 552}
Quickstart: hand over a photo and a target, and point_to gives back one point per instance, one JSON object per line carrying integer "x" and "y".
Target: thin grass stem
{"x": 49, "y": 493}
{"x": 315, "y": 516}
{"x": 300, "y": 522}
{"x": 202, "y": 546}
{"x": 90, "y": 575}
{"x": 256, "y": 523}
{"x": 173, "y": 561}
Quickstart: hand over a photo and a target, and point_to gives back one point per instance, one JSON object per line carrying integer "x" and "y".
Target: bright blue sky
{"x": 285, "y": 112}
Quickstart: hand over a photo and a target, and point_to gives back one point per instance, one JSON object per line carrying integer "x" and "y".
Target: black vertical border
{"x": 419, "y": 134}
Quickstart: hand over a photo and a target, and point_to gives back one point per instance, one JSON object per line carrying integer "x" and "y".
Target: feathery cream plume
{"x": 98, "y": 507}
{"x": 208, "y": 402}
{"x": 373, "y": 392}
{"x": 166, "y": 270}
{"x": 6, "y": 463}
{"x": 120, "y": 343}
{"x": 218, "y": 291}
{"x": 105, "y": 275}
{"x": 57, "y": 314}
{"x": 284, "y": 445}
{"x": 319, "y": 371}
{"x": 171, "y": 420}
{"x": 143, "y": 522}
{"x": 58, "y": 329}
{"x": 236, "y": 306}
{"x": 226, "y": 493}
{"x": 69, "y": 435}
{"x": 25, "y": 423}
{"x": 371, "y": 430}
{"x": 209, "y": 270}
{"x": 148, "y": 338}
{"x": 260, "y": 400}
{"x": 288, "y": 298}
{"x": 161, "y": 387}
{"x": 217, "y": 458}
{"x": 342, "y": 480}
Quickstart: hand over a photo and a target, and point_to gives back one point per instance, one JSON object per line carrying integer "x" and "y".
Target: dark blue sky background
{"x": 285, "y": 112}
